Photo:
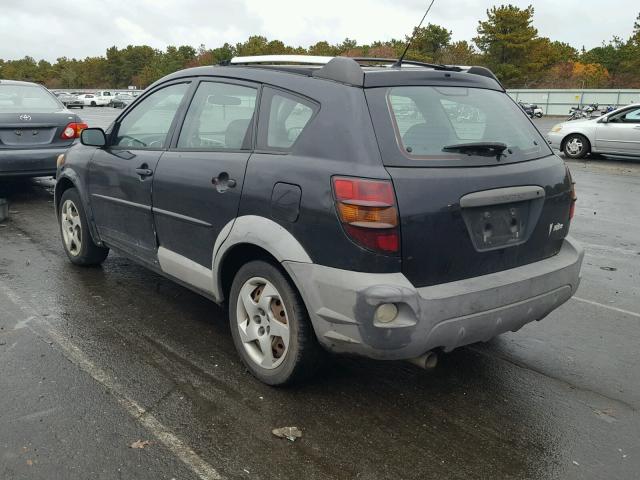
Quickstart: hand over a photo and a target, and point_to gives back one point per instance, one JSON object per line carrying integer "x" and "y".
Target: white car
{"x": 97, "y": 99}
{"x": 616, "y": 133}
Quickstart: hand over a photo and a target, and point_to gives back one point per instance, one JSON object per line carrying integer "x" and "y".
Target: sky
{"x": 50, "y": 29}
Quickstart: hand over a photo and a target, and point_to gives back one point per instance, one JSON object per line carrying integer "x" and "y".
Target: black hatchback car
{"x": 35, "y": 128}
{"x": 333, "y": 204}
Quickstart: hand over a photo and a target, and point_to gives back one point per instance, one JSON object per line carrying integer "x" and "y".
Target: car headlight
{"x": 557, "y": 128}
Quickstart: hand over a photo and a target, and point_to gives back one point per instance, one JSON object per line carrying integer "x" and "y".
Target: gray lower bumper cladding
{"x": 342, "y": 305}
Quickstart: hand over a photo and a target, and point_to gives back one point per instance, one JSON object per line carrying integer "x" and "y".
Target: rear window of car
{"x": 285, "y": 116}
{"x": 27, "y": 98}
{"x": 432, "y": 122}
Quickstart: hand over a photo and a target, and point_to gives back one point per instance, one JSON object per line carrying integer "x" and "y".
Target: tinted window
{"x": 149, "y": 122}
{"x": 27, "y": 98}
{"x": 286, "y": 119}
{"x": 427, "y": 119}
{"x": 219, "y": 117}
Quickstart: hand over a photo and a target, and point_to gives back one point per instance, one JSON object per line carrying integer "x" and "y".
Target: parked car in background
{"x": 35, "y": 128}
{"x": 340, "y": 206}
{"x": 95, "y": 100}
{"x": 615, "y": 133}
{"x": 69, "y": 100}
{"x": 121, "y": 100}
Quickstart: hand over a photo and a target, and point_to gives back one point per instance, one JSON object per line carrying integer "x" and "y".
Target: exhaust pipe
{"x": 426, "y": 361}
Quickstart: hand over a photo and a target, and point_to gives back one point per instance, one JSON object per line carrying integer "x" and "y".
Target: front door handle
{"x": 222, "y": 182}
{"x": 144, "y": 171}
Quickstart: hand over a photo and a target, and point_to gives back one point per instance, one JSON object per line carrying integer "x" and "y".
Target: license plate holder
{"x": 498, "y": 226}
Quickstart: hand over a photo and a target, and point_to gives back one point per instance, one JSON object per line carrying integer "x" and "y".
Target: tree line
{"x": 507, "y": 42}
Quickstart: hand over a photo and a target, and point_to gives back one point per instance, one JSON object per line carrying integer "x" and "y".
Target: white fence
{"x": 559, "y": 102}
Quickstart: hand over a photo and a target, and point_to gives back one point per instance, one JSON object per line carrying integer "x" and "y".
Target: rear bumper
{"x": 29, "y": 163}
{"x": 342, "y": 303}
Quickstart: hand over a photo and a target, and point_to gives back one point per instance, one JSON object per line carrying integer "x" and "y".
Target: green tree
{"x": 459, "y": 53}
{"x": 505, "y": 39}
{"x": 430, "y": 42}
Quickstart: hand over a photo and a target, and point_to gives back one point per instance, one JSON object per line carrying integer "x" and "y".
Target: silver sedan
{"x": 616, "y": 133}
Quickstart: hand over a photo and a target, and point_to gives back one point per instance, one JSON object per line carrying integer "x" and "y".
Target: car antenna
{"x": 398, "y": 64}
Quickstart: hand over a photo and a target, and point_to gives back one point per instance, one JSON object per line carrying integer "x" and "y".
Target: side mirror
{"x": 604, "y": 120}
{"x": 93, "y": 137}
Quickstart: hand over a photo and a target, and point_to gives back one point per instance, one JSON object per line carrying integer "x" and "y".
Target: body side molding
{"x": 186, "y": 270}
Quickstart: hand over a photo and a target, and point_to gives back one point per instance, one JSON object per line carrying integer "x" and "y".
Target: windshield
{"x": 431, "y": 120}
{"x": 27, "y": 98}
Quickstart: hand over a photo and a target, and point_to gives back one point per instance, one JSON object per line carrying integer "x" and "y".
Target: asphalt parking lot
{"x": 96, "y": 359}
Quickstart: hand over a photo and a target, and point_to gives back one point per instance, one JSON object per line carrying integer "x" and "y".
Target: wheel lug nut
{"x": 268, "y": 329}
{"x": 261, "y": 312}
{"x": 261, "y": 331}
{"x": 257, "y": 319}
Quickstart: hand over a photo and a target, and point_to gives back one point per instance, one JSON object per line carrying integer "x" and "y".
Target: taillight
{"x": 72, "y": 130}
{"x": 367, "y": 210}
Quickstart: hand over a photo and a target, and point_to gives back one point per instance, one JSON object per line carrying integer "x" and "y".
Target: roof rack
{"x": 280, "y": 59}
{"x": 348, "y": 69}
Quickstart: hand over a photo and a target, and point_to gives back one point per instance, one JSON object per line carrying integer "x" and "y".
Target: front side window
{"x": 27, "y": 98}
{"x": 220, "y": 117}
{"x": 287, "y": 116}
{"x": 630, "y": 116}
{"x": 452, "y": 122}
{"x": 147, "y": 125}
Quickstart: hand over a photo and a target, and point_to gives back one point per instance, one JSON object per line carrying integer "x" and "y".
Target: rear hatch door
{"x": 478, "y": 189}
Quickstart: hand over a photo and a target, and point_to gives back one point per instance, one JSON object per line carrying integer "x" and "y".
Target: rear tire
{"x": 74, "y": 230}
{"x": 263, "y": 303}
{"x": 576, "y": 146}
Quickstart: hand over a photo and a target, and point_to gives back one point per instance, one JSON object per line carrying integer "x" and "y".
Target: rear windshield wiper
{"x": 478, "y": 148}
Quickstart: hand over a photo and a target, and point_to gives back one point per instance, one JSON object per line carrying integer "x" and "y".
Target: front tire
{"x": 74, "y": 230}
{"x": 270, "y": 326}
{"x": 576, "y": 146}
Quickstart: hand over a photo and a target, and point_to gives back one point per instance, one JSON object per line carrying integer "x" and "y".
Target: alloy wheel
{"x": 575, "y": 146}
{"x": 263, "y": 323}
{"x": 71, "y": 227}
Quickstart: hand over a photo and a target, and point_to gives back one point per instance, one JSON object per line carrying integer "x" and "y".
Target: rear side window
{"x": 283, "y": 117}
{"x": 428, "y": 120}
{"x": 220, "y": 117}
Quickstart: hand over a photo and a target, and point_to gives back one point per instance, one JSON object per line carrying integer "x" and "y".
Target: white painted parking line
{"x": 608, "y": 307}
{"x": 182, "y": 451}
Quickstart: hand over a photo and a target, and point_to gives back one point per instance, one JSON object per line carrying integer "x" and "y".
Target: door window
{"x": 148, "y": 124}
{"x": 632, "y": 116}
{"x": 220, "y": 117}
{"x": 287, "y": 116}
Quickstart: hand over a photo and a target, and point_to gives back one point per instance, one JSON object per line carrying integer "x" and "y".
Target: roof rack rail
{"x": 436, "y": 66}
{"x": 323, "y": 60}
{"x": 296, "y": 59}
{"x": 349, "y": 69}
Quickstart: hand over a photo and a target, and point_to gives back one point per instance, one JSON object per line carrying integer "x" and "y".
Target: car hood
{"x": 582, "y": 121}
